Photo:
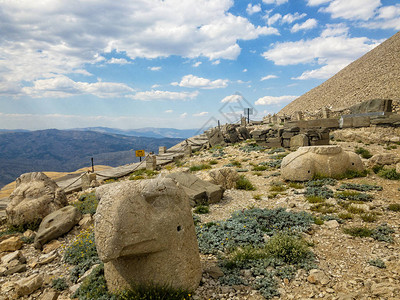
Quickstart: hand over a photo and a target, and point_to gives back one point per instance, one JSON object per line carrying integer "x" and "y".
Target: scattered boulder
{"x": 34, "y": 197}
{"x": 27, "y": 286}
{"x": 199, "y": 191}
{"x": 300, "y": 140}
{"x": 145, "y": 234}
{"x": 11, "y": 244}
{"x": 328, "y": 161}
{"x": 318, "y": 277}
{"x": 56, "y": 224}
{"x": 383, "y": 159}
{"x": 225, "y": 177}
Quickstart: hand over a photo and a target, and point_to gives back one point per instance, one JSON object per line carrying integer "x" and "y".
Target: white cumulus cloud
{"x": 268, "y": 77}
{"x": 62, "y": 87}
{"x": 158, "y": 68}
{"x": 192, "y": 81}
{"x": 268, "y": 100}
{"x": 168, "y": 111}
{"x": 307, "y": 25}
{"x": 352, "y": 9}
{"x": 232, "y": 99}
{"x": 30, "y": 49}
{"x": 317, "y": 2}
{"x": 201, "y": 114}
{"x": 163, "y": 95}
{"x": 252, "y": 9}
{"x": 276, "y": 2}
{"x": 118, "y": 61}
{"x": 290, "y": 18}
{"x": 332, "y": 53}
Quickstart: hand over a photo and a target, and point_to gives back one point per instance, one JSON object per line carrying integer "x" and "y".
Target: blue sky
{"x": 174, "y": 63}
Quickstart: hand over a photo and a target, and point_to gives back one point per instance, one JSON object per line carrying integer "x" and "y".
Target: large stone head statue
{"x": 145, "y": 235}
{"x": 34, "y": 197}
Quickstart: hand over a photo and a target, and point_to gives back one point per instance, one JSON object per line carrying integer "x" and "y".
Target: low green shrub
{"x": 259, "y": 168}
{"x": 82, "y": 253}
{"x": 390, "y": 174}
{"x": 236, "y": 163}
{"x": 196, "y": 168}
{"x": 355, "y": 210}
{"x": 394, "y": 207}
{"x": 213, "y": 162}
{"x": 202, "y": 209}
{"x": 87, "y": 203}
{"x": 353, "y": 196}
{"x": 323, "y": 208}
{"x": 315, "y": 199}
{"x": 381, "y": 233}
{"x": 151, "y": 291}
{"x": 257, "y": 197}
{"x": 295, "y": 185}
{"x": 369, "y": 217}
{"x": 319, "y": 181}
{"x": 363, "y": 152}
{"x": 316, "y": 191}
{"x": 244, "y": 184}
{"x": 277, "y": 187}
{"x": 360, "y": 187}
{"x": 379, "y": 263}
{"x": 345, "y": 216}
{"x": 59, "y": 284}
{"x": 249, "y": 227}
{"x": 377, "y": 168}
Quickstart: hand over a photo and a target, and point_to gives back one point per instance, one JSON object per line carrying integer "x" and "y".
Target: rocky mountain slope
{"x": 374, "y": 75}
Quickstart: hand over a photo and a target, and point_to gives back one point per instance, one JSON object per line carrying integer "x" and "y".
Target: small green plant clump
{"x": 360, "y": 187}
{"x": 252, "y": 147}
{"x": 202, "y": 209}
{"x": 363, "y": 152}
{"x": 345, "y": 216}
{"x": 249, "y": 227}
{"x": 390, "y": 174}
{"x": 381, "y": 233}
{"x": 353, "y": 196}
{"x": 82, "y": 253}
{"x": 277, "y": 187}
{"x": 213, "y": 162}
{"x": 12, "y": 229}
{"x": 257, "y": 197}
{"x": 244, "y": 184}
{"x": 323, "y": 208}
{"x": 59, "y": 284}
{"x": 394, "y": 207}
{"x": 142, "y": 174}
{"x": 319, "y": 182}
{"x": 369, "y": 217}
{"x": 260, "y": 168}
{"x": 196, "y": 168}
{"x": 87, "y": 203}
{"x": 322, "y": 192}
{"x": 236, "y": 163}
{"x": 276, "y": 150}
{"x": 379, "y": 263}
{"x": 295, "y": 185}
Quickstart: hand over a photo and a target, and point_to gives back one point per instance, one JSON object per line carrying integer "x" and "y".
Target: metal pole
{"x": 248, "y": 115}
{"x": 219, "y": 125}
{"x": 92, "y": 166}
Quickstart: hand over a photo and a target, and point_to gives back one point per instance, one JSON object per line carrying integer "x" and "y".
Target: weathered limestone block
{"x": 34, "y": 197}
{"x": 198, "y": 190}
{"x": 151, "y": 162}
{"x": 328, "y": 161}
{"x": 27, "y": 286}
{"x": 300, "y": 140}
{"x": 215, "y": 137}
{"x": 145, "y": 234}
{"x": 56, "y": 224}
{"x": 225, "y": 177}
{"x": 383, "y": 159}
{"x": 86, "y": 180}
{"x": 11, "y": 244}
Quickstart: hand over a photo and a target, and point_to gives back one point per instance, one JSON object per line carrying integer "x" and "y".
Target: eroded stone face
{"x": 328, "y": 161}
{"x": 145, "y": 234}
{"x": 34, "y": 197}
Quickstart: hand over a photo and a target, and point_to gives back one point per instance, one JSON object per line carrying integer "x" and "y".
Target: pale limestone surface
{"x": 34, "y": 197}
{"x": 328, "y": 161}
{"x": 145, "y": 234}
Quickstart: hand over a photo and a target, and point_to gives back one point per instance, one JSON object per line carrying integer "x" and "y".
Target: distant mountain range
{"x": 69, "y": 150}
{"x": 146, "y": 132}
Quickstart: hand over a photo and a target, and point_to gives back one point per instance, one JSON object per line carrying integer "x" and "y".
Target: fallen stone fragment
{"x": 49, "y": 295}
{"x": 27, "y": 286}
{"x": 11, "y": 244}
{"x": 317, "y": 277}
{"x": 56, "y": 224}
{"x": 329, "y": 161}
{"x": 16, "y": 269}
{"x": 34, "y": 197}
